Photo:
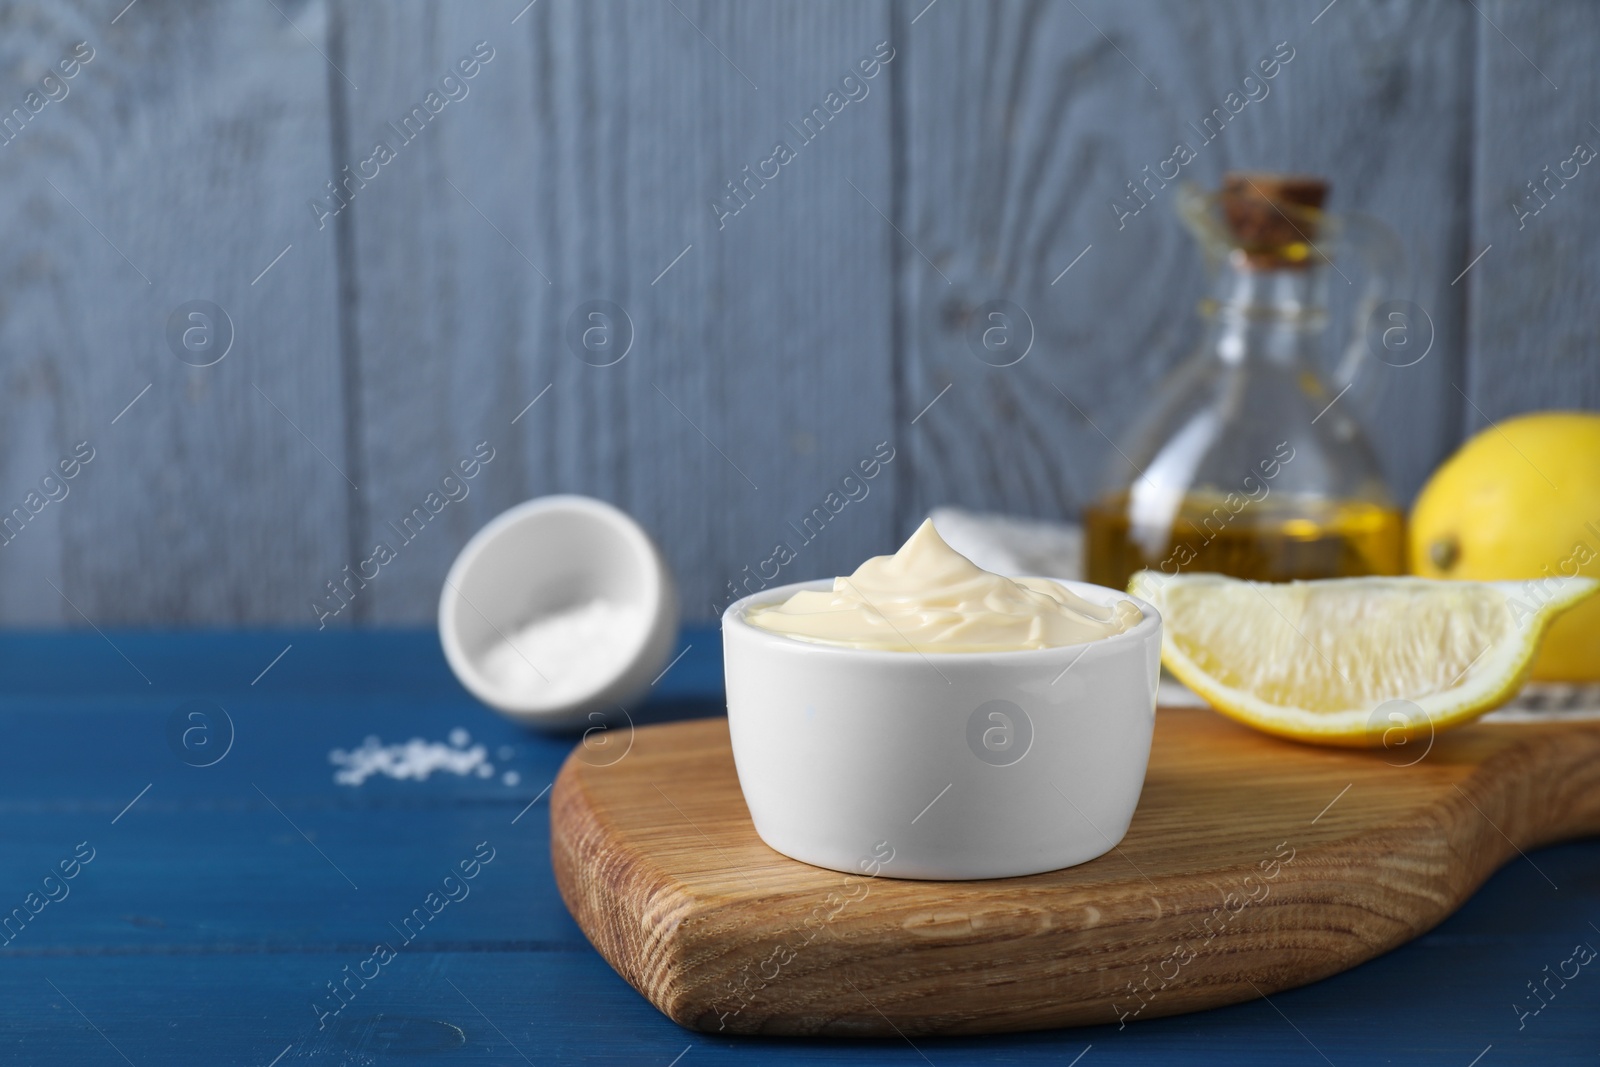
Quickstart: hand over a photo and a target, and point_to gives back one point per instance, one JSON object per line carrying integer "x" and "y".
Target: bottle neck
{"x": 1271, "y": 315}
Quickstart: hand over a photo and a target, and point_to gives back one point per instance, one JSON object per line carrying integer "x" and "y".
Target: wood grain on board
{"x": 1252, "y": 865}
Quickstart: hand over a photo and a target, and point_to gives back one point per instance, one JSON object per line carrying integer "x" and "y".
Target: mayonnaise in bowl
{"x": 927, "y": 597}
{"x": 1012, "y": 740}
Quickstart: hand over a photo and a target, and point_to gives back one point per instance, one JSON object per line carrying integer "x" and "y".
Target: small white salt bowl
{"x": 543, "y": 558}
{"x": 940, "y": 765}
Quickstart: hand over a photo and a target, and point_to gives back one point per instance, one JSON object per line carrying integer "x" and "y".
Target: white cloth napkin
{"x": 1008, "y": 545}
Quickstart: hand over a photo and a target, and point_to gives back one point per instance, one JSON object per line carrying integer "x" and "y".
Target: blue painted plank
{"x": 1443, "y": 1000}
{"x": 96, "y": 740}
{"x": 206, "y": 926}
{"x": 235, "y": 875}
{"x": 86, "y": 664}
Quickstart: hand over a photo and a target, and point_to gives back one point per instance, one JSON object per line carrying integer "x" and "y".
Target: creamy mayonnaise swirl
{"x": 927, "y": 597}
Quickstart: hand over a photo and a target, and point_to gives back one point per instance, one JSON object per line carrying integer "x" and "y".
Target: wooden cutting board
{"x": 1252, "y": 865}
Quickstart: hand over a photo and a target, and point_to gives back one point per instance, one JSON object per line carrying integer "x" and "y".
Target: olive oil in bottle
{"x": 1309, "y": 539}
{"x": 1245, "y": 462}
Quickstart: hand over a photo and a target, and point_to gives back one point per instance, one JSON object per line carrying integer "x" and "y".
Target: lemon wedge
{"x": 1353, "y": 661}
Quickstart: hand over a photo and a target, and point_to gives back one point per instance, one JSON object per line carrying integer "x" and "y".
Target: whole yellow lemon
{"x": 1521, "y": 501}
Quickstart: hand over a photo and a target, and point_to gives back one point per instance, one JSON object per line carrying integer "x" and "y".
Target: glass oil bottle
{"x": 1243, "y": 463}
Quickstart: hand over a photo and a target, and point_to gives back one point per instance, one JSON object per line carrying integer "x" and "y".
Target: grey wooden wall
{"x": 772, "y": 348}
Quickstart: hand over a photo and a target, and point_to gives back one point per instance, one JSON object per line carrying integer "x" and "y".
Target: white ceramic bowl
{"x": 940, "y": 765}
{"x": 538, "y": 558}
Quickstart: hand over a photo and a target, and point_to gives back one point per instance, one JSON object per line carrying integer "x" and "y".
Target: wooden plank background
{"x": 771, "y": 348}
{"x": 1532, "y": 328}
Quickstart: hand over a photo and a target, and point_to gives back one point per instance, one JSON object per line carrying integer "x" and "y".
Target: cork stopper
{"x": 1273, "y": 218}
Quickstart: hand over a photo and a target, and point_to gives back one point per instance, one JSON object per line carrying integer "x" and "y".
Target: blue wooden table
{"x": 185, "y": 882}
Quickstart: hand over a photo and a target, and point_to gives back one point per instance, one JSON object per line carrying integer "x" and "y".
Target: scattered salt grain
{"x": 563, "y": 655}
{"x": 413, "y": 760}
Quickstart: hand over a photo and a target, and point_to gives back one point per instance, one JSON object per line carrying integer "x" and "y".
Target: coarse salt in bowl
{"x": 558, "y": 612}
